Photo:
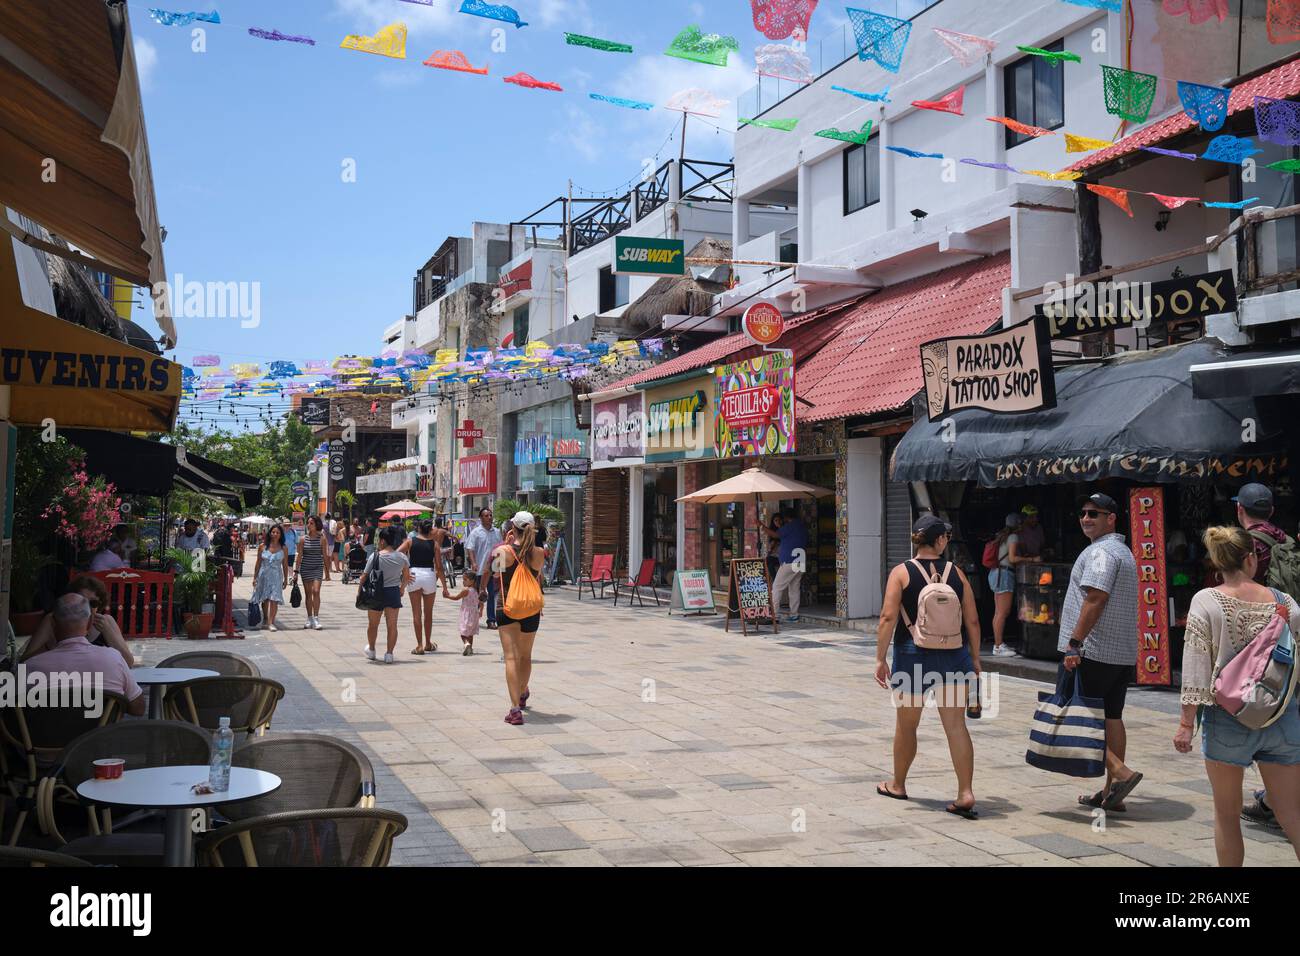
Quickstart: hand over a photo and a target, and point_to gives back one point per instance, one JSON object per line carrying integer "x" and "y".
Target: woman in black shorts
{"x": 517, "y": 636}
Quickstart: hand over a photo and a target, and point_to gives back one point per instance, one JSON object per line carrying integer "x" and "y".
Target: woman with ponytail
{"x": 520, "y": 612}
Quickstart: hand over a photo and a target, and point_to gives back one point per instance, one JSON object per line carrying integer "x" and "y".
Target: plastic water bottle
{"x": 223, "y": 745}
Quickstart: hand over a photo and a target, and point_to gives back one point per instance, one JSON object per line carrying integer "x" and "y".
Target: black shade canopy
{"x": 140, "y": 467}
{"x": 1130, "y": 416}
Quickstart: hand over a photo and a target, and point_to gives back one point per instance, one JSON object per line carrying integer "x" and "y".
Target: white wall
{"x": 865, "y": 543}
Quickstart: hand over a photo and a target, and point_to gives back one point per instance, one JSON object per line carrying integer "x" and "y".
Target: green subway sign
{"x": 649, "y": 257}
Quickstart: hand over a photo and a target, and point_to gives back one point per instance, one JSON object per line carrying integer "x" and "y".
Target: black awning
{"x": 1130, "y": 416}
{"x": 140, "y": 467}
{"x": 1248, "y": 373}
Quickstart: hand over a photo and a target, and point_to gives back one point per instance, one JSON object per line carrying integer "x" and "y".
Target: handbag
{"x": 295, "y": 596}
{"x": 1069, "y": 731}
{"x": 370, "y": 596}
{"x": 525, "y": 596}
{"x": 1256, "y": 687}
{"x": 254, "y": 614}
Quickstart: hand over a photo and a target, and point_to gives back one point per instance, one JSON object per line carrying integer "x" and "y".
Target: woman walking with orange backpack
{"x": 520, "y": 614}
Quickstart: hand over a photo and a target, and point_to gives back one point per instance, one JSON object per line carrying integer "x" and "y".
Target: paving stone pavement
{"x": 657, "y": 740}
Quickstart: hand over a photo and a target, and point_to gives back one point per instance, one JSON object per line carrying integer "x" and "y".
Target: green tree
{"x": 345, "y": 499}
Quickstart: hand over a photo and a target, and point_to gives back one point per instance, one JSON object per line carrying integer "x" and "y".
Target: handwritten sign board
{"x": 1147, "y": 517}
{"x": 1087, "y": 307}
{"x": 1009, "y": 370}
{"x": 750, "y": 593}
{"x": 692, "y": 593}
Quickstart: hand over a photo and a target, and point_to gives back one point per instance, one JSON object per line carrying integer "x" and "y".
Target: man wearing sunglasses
{"x": 1099, "y": 635}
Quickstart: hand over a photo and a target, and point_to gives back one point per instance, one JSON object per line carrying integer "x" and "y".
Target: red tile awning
{"x": 873, "y": 364}
{"x": 1281, "y": 82}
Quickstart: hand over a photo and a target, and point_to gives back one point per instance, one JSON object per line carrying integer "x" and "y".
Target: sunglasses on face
{"x": 1090, "y": 513}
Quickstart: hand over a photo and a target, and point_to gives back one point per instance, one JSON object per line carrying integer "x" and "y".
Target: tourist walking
{"x": 1099, "y": 636}
{"x": 340, "y": 543}
{"x": 484, "y": 538}
{"x": 270, "y": 577}
{"x": 946, "y": 671}
{"x": 395, "y": 572}
{"x": 312, "y": 555}
{"x": 425, "y": 554}
{"x": 471, "y": 608}
{"x": 793, "y": 554}
{"x": 519, "y": 615}
{"x": 1221, "y": 622}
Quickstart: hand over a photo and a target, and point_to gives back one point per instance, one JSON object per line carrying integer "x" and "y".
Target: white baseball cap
{"x": 523, "y": 519}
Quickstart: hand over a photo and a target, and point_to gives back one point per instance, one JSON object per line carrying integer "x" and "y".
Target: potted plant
{"x": 24, "y": 582}
{"x": 193, "y": 584}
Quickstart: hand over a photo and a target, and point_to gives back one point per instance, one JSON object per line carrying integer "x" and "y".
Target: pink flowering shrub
{"x": 86, "y": 510}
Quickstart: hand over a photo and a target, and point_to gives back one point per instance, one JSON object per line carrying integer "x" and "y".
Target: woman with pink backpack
{"x": 927, "y": 601}
{"x": 1239, "y": 680}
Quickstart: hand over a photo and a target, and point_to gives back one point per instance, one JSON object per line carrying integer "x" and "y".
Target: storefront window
{"x": 542, "y": 432}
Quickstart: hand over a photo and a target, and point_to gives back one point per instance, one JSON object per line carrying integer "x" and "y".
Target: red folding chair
{"x": 602, "y": 572}
{"x": 645, "y": 578}
{"x": 140, "y": 601}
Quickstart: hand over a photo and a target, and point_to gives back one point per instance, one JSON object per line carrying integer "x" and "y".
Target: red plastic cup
{"x": 110, "y": 768}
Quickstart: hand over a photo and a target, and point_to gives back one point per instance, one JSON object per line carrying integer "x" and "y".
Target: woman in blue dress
{"x": 270, "y": 576}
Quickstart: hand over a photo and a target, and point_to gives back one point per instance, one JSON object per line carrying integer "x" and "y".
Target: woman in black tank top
{"x": 916, "y": 670}
{"x": 424, "y": 551}
{"x": 520, "y": 554}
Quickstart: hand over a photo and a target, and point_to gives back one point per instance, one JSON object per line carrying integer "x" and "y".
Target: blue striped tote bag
{"x": 1069, "y": 731}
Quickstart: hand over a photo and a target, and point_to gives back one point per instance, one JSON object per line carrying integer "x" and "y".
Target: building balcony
{"x": 388, "y": 482}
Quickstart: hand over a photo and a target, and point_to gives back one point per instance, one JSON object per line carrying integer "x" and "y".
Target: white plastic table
{"x": 168, "y": 788}
{"x": 160, "y": 677}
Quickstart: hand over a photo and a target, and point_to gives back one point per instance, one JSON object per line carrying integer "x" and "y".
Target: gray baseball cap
{"x": 1257, "y": 499}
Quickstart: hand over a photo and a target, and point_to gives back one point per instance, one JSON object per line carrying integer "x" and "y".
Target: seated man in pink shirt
{"x": 74, "y": 654}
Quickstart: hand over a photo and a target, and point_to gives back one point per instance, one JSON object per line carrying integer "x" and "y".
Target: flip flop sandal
{"x": 884, "y": 791}
{"x": 1095, "y": 801}
{"x": 1119, "y": 791}
{"x": 969, "y": 813}
{"x": 417, "y": 652}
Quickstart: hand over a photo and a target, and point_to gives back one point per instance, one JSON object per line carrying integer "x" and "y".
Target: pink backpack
{"x": 938, "y": 613}
{"x": 1257, "y": 685}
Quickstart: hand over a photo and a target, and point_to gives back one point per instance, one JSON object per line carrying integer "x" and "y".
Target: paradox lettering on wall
{"x": 1085, "y": 307}
{"x": 1009, "y": 370}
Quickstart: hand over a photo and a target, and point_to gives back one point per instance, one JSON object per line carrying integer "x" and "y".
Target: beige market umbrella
{"x": 404, "y": 508}
{"x": 755, "y": 484}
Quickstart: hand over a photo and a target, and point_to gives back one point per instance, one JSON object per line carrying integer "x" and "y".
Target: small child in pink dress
{"x": 470, "y": 611}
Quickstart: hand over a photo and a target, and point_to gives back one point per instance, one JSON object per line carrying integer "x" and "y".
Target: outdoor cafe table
{"x": 168, "y": 788}
{"x": 160, "y": 677}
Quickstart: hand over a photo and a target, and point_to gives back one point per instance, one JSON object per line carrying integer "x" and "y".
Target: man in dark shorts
{"x": 1099, "y": 635}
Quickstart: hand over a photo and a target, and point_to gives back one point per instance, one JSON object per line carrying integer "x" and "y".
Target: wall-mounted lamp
{"x": 1162, "y": 220}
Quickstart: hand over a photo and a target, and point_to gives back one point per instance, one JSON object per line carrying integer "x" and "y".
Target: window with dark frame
{"x": 861, "y": 176}
{"x": 1034, "y": 93}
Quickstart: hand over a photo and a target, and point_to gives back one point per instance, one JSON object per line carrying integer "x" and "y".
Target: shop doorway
{"x": 659, "y": 522}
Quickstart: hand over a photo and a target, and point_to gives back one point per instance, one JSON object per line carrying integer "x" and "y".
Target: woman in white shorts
{"x": 427, "y": 580}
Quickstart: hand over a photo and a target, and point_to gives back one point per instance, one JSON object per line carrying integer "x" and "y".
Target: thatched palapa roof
{"x": 680, "y": 295}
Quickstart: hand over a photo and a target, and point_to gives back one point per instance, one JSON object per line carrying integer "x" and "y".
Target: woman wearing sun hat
{"x": 520, "y": 551}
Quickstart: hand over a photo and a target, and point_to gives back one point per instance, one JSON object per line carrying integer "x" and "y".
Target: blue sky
{"x": 248, "y": 141}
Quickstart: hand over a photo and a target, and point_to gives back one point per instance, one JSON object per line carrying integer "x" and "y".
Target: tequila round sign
{"x": 763, "y": 323}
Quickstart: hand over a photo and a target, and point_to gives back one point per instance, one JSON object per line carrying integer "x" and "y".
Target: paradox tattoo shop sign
{"x": 1009, "y": 370}
{"x": 1086, "y": 307}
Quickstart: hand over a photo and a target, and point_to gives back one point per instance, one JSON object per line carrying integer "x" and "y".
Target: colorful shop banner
{"x": 617, "y": 431}
{"x": 755, "y": 407}
{"x": 692, "y": 592}
{"x": 679, "y": 420}
{"x": 635, "y": 255}
{"x": 1147, "y": 520}
{"x": 532, "y": 450}
{"x": 1087, "y": 307}
{"x": 1006, "y": 371}
{"x": 567, "y": 447}
{"x": 478, "y": 475}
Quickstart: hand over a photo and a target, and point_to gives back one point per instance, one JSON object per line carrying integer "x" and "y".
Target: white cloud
{"x": 367, "y": 16}
{"x": 574, "y": 16}
{"x": 146, "y": 60}
{"x": 581, "y": 134}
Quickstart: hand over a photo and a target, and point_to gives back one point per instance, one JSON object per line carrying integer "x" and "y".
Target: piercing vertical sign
{"x": 1147, "y": 510}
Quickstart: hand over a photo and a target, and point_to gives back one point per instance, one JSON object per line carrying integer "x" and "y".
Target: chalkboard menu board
{"x": 750, "y": 593}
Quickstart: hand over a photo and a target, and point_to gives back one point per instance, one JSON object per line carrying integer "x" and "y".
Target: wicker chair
{"x": 249, "y": 702}
{"x": 353, "y": 837}
{"x": 16, "y": 856}
{"x": 38, "y": 735}
{"x": 223, "y": 662}
{"x": 141, "y": 743}
{"x": 317, "y": 773}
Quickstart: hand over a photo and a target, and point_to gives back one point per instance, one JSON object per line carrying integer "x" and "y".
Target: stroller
{"x": 356, "y": 562}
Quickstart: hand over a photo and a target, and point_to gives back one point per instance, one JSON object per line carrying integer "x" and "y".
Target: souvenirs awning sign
{"x": 1009, "y": 370}
{"x": 1088, "y": 307}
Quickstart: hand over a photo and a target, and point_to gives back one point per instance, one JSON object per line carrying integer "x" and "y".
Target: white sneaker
{"x": 370, "y": 653}
{"x": 273, "y": 628}
{"x": 1003, "y": 650}
{"x": 388, "y": 658}
{"x": 315, "y": 623}
{"x": 307, "y": 626}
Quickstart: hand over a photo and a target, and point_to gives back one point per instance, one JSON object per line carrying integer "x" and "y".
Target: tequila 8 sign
{"x": 763, "y": 324}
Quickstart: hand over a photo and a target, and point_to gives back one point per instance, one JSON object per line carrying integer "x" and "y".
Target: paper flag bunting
{"x": 607, "y": 46}
{"x": 1044, "y": 174}
{"x": 1128, "y": 94}
{"x": 860, "y": 137}
{"x": 1173, "y": 202}
{"x": 1229, "y": 149}
{"x": 1278, "y": 121}
{"x": 1231, "y": 205}
{"x": 1021, "y": 128}
{"x": 881, "y": 97}
{"x": 783, "y": 62}
{"x": 453, "y": 60}
{"x": 492, "y": 11}
{"x": 880, "y": 38}
{"x": 1283, "y": 21}
{"x": 1207, "y": 105}
{"x": 1169, "y": 152}
{"x": 1114, "y": 6}
{"x": 950, "y": 103}
{"x": 1055, "y": 57}
{"x": 966, "y": 48}
{"x": 532, "y": 83}
{"x": 696, "y": 102}
{"x": 206, "y": 361}
{"x": 619, "y": 101}
{"x": 168, "y": 19}
{"x": 390, "y": 41}
{"x": 277, "y": 35}
{"x": 914, "y": 153}
{"x": 976, "y": 162}
{"x": 709, "y": 48}
{"x": 1198, "y": 11}
{"x": 782, "y": 19}
{"x": 1285, "y": 165}
{"x": 1083, "y": 144}
{"x": 784, "y": 125}
{"x": 1118, "y": 196}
